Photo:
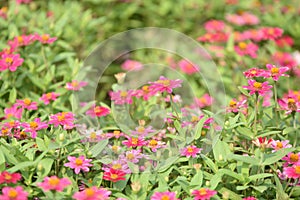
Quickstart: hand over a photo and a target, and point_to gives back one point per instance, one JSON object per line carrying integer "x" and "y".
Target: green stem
{"x": 276, "y": 103}
{"x": 295, "y": 128}
{"x": 294, "y": 186}
{"x": 44, "y": 56}
{"x": 256, "y": 112}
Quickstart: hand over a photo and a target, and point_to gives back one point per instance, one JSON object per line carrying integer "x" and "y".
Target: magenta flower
{"x": 23, "y": 40}
{"x": 12, "y": 124}
{"x": 214, "y": 26}
{"x": 277, "y": 145}
{"x": 75, "y": 85}
{"x": 284, "y": 41}
{"x": 11, "y": 62}
{"x": 164, "y": 196}
{"x": 164, "y": 85}
{"x": 291, "y": 159}
{"x": 10, "y": 193}
{"x": 93, "y": 193}
{"x": 51, "y": 96}
{"x": 236, "y": 106}
{"x": 114, "y": 175}
{"x": 257, "y": 87}
{"x": 98, "y": 111}
{"x": 65, "y": 119}
{"x": 132, "y": 65}
{"x": 203, "y": 194}
{"x": 292, "y": 172}
{"x": 27, "y": 103}
{"x": 78, "y": 164}
{"x": 142, "y": 131}
{"x": 204, "y": 101}
{"x": 34, "y": 126}
{"x": 134, "y": 142}
{"x": 284, "y": 59}
{"x": 275, "y": 72}
{"x": 289, "y": 104}
{"x": 122, "y": 97}
{"x": 6, "y": 177}
{"x": 143, "y": 92}
{"x": 190, "y": 151}
{"x": 187, "y": 67}
{"x": 271, "y": 33}
{"x": 45, "y": 38}
{"x": 246, "y": 49}
{"x": 13, "y": 111}
{"x": 54, "y": 183}
{"x": 254, "y": 72}
{"x": 250, "y": 198}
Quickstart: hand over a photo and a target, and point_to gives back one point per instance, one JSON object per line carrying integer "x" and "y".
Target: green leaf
{"x": 41, "y": 144}
{"x": 245, "y": 159}
{"x": 259, "y": 176}
{"x": 210, "y": 163}
{"x": 274, "y": 157}
{"x": 167, "y": 163}
{"x": 98, "y": 148}
{"x": 13, "y": 95}
{"x": 198, "y": 128}
{"x": 46, "y": 164}
{"x": 280, "y": 194}
{"x": 197, "y": 179}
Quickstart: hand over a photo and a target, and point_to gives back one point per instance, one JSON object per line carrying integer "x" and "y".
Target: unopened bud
{"x": 40, "y": 167}
{"x": 120, "y": 77}
{"x": 61, "y": 137}
{"x": 207, "y": 183}
{"x": 136, "y": 187}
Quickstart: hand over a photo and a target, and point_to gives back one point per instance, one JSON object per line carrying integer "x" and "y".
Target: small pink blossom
{"x": 122, "y": 97}
{"x": 292, "y": 172}
{"x": 27, "y": 103}
{"x": 214, "y": 26}
{"x": 214, "y": 37}
{"x": 246, "y": 49}
{"x": 254, "y": 72}
{"x": 190, "y": 151}
{"x": 164, "y": 196}
{"x": 45, "y": 38}
{"x": 187, "y": 67}
{"x": 10, "y": 193}
{"x": 134, "y": 142}
{"x": 291, "y": 159}
{"x": 78, "y": 164}
{"x": 275, "y": 72}
{"x": 203, "y": 194}
{"x": 236, "y": 106}
{"x": 164, "y": 85}
{"x": 13, "y": 111}
{"x": 277, "y": 145}
{"x": 271, "y": 33}
{"x": 142, "y": 130}
{"x": 75, "y": 85}
{"x": 204, "y": 101}
{"x": 23, "y": 1}
{"x": 98, "y": 111}
{"x": 132, "y": 65}
{"x": 250, "y": 198}
{"x": 54, "y": 183}
{"x": 284, "y": 41}
{"x": 257, "y": 87}
{"x": 65, "y": 119}
{"x": 23, "y": 40}
{"x": 92, "y": 193}
{"x": 51, "y": 96}
{"x": 284, "y": 59}
{"x": 3, "y": 12}
{"x": 289, "y": 104}
{"x": 114, "y": 175}
{"x": 256, "y": 35}
{"x": 34, "y": 126}
{"x": 11, "y": 62}
{"x": 154, "y": 144}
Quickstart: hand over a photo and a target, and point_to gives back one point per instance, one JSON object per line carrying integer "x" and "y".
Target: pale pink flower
{"x": 164, "y": 196}
{"x": 203, "y": 194}
{"x": 54, "y": 183}
{"x": 289, "y": 104}
{"x": 253, "y": 34}
{"x": 132, "y": 156}
{"x": 51, "y": 96}
{"x": 154, "y": 144}
{"x": 92, "y": 193}
{"x": 214, "y": 25}
{"x": 10, "y": 193}
{"x": 27, "y": 103}
{"x": 190, "y": 151}
{"x": 277, "y": 145}
{"x": 78, "y": 164}
{"x": 257, "y": 87}
{"x": 187, "y": 67}
{"x": 236, "y": 106}
{"x": 11, "y": 62}
{"x": 132, "y": 65}
{"x": 142, "y": 131}
{"x": 13, "y": 111}
{"x": 204, "y": 101}
{"x": 3, "y": 12}
{"x": 122, "y": 97}
{"x": 164, "y": 85}
{"x": 75, "y": 85}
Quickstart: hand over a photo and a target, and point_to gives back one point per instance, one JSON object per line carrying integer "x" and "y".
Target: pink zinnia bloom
{"x": 5, "y": 131}
{"x": 204, "y": 101}
{"x": 143, "y": 92}
{"x": 284, "y": 41}
{"x": 277, "y": 145}
{"x": 292, "y": 172}
{"x": 10, "y": 193}
{"x": 3, "y": 12}
{"x": 12, "y": 124}
{"x": 236, "y": 106}
{"x": 284, "y": 59}
{"x": 271, "y": 33}
{"x": 119, "y": 164}
{"x": 122, "y": 97}
{"x": 114, "y": 175}
{"x": 190, "y": 151}
{"x": 13, "y": 112}
{"x": 27, "y": 103}
{"x": 75, "y": 85}
{"x": 54, "y": 183}
{"x": 203, "y": 194}
{"x": 155, "y": 144}
{"x": 254, "y": 72}
{"x": 275, "y": 72}
{"x": 164, "y": 85}
{"x": 187, "y": 67}
{"x": 214, "y": 37}
{"x": 246, "y": 49}
{"x": 289, "y": 104}
{"x": 23, "y": 1}
{"x": 257, "y": 87}
{"x": 22, "y": 40}
{"x": 132, "y": 156}
{"x": 116, "y": 134}
{"x": 235, "y": 19}
{"x": 45, "y": 38}
{"x": 250, "y": 19}
{"x": 51, "y": 96}
{"x": 214, "y": 26}
{"x": 134, "y": 142}
{"x": 267, "y": 99}
{"x": 262, "y": 142}
{"x": 78, "y": 164}
{"x": 92, "y": 193}
{"x": 34, "y": 126}
{"x": 131, "y": 65}
{"x": 142, "y": 131}
{"x": 6, "y": 177}
{"x": 250, "y": 198}
{"x": 253, "y": 34}
{"x": 291, "y": 159}
{"x": 164, "y": 196}
{"x": 11, "y": 62}
{"x": 65, "y": 119}
{"x": 98, "y": 111}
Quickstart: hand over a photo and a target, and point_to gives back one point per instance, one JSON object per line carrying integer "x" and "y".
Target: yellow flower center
{"x": 8, "y": 60}
{"x": 130, "y": 156}
{"x": 134, "y": 141}
{"x": 190, "y": 149}
{"x": 195, "y": 119}
{"x": 61, "y": 117}
{"x": 253, "y": 72}
{"x": 114, "y": 176}
{"x": 74, "y": 83}
{"x": 232, "y": 103}
{"x": 140, "y": 129}
{"x": 27, "y": 101}
{"x": 271, "y": 31}
{"x": 45, "y": 37}
{"x": 165, "y": 197}
{"x": 145, "y": 88}
{"x": 7, "y": 177}
{"x": 123, "y": 94}
{"x": 292, "y": 104}
{"x": 279, "y": 145}
{"x": 20, "y": 39}
{"x": 117, "y": 166}
{"x": 297, "y": 169}
{"x": 242, "y": 45}
{"x": 164, "y": 82}
{"x": 49, "y": 95}
{"x": 9, "y": 115}
{"x": 97, "y": 109}
{"x": 257, "y": 85}
{"x": 294, "y": 157}
{"x": 12, "y": 123}
{"x": 93, "y": 135}
{"x": 115, "y": 148}
{"x": 54, "y": 181}
{"x": 290, "y": 100}
{"x": 117, "y": 133}
{"x": 78, "y": 162}
{"x": 33, "y": 125}
{"x": 23, "y": 134}
{"x": 153, "y": 143}
{"x": 89, "y": 192}
{"x": 202, "y": 191}
{"x": 274, "y": 70}
{"x": 12, "y": 193}
{"x": 4, "y": 9}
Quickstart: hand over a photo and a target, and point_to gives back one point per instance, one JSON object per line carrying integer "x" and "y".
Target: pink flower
{"x": 98, "y": 111}
{"x": 23, "y": 1}
{"x": 292, "y": 172}
{"x": 214, "y": 37}
{"x": 253, "y": 34}
{"x": 262, "y": 142}
{"x": 6, "y": 177}
{"x": 12, "y": 124}
{"x": 275, "y": 72}
{"x": 10, "y": 193}
{"x": 119, "y": 164}
{"x": 122, "y": 97}
{"x": 64, "y": 119}
{"x": 214, "y": 26}
{"x": 164, "y": 196}
{"x": 284, "y": 59}
{"x": 267, "y": 99}
{"x": 54, "y": 183}
{"x": 11, "y": 62}
{"x": 13, "y": 112}
{"x": 243, "y": 19}
{"x": 289, "y": 104}
{"x": 143, "y": 92}
{"x": 190, "y": 151}
{"x": 45, "y": 38}
{"x": 203, "y": 194}
{"x": 236, "y": 106}
{"x": 142, "y": 131}
{"x": 3, "y": 12}
{"x": 27, "y": 103}
{"x": 271, "y": 33}
{"x": 204, "y": 101}
{"x": 250, "y": 198}
{"x": 78, "y": 164}
{"x": 114, "y": 175}
{"x": 246, "y": 49}
{"x": 75, "y": 85}
{"x": 187, "y": 67}
{"x": 254, "y": 72}
{"x": 257, "y": 87}
{"x": 134, "y": 142}
{"x": 116, "y": 134}
{"x": 164, "y": 85}
{"x": 132, "y": 65}
{"x": 277, "y": 145}
{"x": 23, "y": 40}
{"x": 155, "y": 144}
{"x": 284, "y": 41}
{"x": 250, "y": 19}
{"x": 291, "y": 159}
{"x": 51, "y": 96}
{"x": 92, "y": 193}
{"x": 34, "y": 126}
{"x": 132, "y": 156}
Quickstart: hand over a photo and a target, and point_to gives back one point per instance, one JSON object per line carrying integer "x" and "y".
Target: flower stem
{"x": 256, "y": 113}
{"x": 276, "y": 103}
{"x": 295, "y": 126}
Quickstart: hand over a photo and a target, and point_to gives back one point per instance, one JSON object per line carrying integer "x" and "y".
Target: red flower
{"x": 6, "y": 177}
{"x": 114, "y": 175}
